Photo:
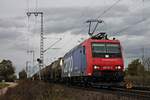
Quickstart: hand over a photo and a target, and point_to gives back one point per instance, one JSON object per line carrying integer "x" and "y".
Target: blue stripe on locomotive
{"x": 74, "y": 62}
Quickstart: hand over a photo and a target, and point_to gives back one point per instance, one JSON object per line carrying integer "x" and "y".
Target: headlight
{"x": 118, "y": 67}
{"x": 96, "y": 67}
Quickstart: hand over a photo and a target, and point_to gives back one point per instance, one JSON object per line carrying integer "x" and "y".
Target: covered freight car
{"x": 51, "y": 73}
{"x": 56, "y": 70}
{"x": 45, "y": 73}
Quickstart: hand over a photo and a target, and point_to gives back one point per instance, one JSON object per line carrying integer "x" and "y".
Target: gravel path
{"x": 11, "y": 85}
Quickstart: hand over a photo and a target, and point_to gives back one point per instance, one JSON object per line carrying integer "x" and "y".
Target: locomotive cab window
{"x": 113, "y": 48}
{"x": 84, "y": 50}
{"x": 103, "y": 49}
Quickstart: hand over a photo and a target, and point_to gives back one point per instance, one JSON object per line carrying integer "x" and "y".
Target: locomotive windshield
{"x": 108, "y": 50}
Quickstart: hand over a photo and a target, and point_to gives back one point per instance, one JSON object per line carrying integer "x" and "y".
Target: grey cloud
{"x": 19, "y": 46}
{"x": 10, "y": 30}
{"x": 60, "y": 20}
{"x": 11, "y": 23}
{"x": 134, "y": 17}
{"x": 8, "y": 34}
{"x": 146, "y": 0}
{"x": 132, "y": 45}
{"x": 132, "y": 23}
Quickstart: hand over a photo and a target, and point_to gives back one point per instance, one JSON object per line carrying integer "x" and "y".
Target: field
{"x": 139, "y": 80}
{"x": 3, "y": 85}
{"x": 38, "y": 90}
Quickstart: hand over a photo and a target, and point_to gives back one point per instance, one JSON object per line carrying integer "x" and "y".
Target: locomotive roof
{"x": 93, "y": 40}
{"x": 101, "y": 40}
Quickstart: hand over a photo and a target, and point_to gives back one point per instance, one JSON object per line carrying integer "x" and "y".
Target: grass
{"x": 139, "y": 80}
{"x": 3, "y": 85}
{"x": 38, "y": 90}
{"x": 35, "y": 90}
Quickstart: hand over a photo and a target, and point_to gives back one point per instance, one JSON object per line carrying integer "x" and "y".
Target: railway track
{"x": 136, "y": 92}
{"x": 143, "y": 94}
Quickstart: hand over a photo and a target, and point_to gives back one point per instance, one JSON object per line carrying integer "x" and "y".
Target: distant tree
{"x": 22, "y": 75}
{"x": 7, "y": 70}
{"x": 135, "y": 68}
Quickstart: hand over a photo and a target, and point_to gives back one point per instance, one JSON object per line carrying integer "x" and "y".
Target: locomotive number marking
{"x": 68, "y": 65}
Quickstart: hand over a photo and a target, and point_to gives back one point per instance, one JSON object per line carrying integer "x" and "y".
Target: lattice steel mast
{"x": 41, "y": 60}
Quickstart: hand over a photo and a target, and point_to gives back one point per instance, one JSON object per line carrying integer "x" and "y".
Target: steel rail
{"x": 121, "y": 91}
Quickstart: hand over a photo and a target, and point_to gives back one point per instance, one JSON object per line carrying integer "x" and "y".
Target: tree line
{"x": 7, "y": 71}
{"x": 138, "y": 67}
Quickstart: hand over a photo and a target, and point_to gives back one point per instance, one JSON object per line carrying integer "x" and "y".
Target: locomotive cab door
{"x": 83, "y": 60}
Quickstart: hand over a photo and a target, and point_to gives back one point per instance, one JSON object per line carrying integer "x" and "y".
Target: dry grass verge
{"x": 139, "y": 80}
{"x": 3, "y": 85}
{"x": 37, "y": 90}
{"x": 33, "y": 90}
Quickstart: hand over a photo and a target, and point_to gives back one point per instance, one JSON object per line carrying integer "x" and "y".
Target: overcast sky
{"x": 66, "y": 19}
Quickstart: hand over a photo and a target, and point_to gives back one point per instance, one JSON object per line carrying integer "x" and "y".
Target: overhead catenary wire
{"x": 133, "y": 25}
{"x": 28, "y": 25}
{"x": 28, "y": 5}
{"x": 82, "y": 14}
{"x": 36, "y": 19}
{"x": 136, "y": 23}
{"x": 105, "y": 11}
{"x": 36, "y": 5}
{"x": 32, "y": 29}
{"x": 143, "y": 1}
{"x": 36, "y": 9}
{"x": 83, "y": 23}
{"x": 28, "y": 8}
{"x": 143, "y": 8}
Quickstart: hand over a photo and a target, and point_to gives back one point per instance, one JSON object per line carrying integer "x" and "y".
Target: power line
{"x": 138, "y": 22}
{"x": 130, "y": 26}
{"x": 86, "y": 9}
{"x": 82, "y": 14}
{"x": 28, "y": 6}
{"x": 36, "y": 5}
{"x": 105, "y": 11}
{"x": 52, "y": 45}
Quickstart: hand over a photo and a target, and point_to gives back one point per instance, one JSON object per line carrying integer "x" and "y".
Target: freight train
{"x": 96, "y": 60}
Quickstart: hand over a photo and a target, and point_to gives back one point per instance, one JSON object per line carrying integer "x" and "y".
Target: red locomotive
{"x": 97, "y": 59}
{"x": 94, "y": 60}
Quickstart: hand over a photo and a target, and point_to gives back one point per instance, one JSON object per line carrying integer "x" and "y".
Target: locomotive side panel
{"x": 74, "y": 63}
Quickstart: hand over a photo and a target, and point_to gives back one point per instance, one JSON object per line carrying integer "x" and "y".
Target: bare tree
{"x": 146, "y": 63}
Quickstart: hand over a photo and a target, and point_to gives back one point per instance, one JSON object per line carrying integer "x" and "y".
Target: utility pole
{"x": 41, "y": 64}
{"x": 33, "y": 56}
{"x": 143, "y": 55}
{"x": 143, "y": 61}
{"x": 27, "y": 68}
